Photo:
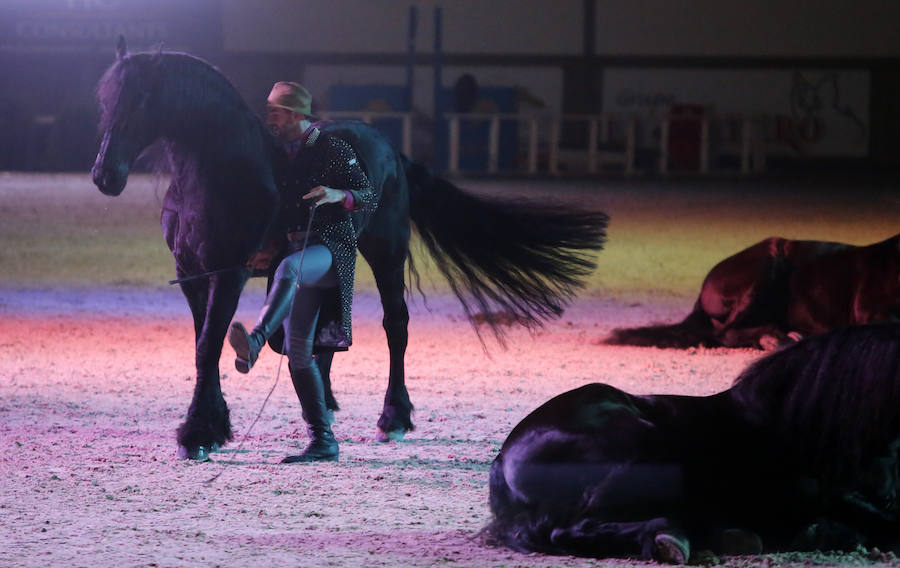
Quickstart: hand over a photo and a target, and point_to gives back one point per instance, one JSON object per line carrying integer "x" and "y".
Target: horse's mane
{"x": 835, "y": 396}
{"x": 178, "y": 85}
{"x": 204, "y": 119}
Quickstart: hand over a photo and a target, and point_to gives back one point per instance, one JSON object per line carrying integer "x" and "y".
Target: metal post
{"x": 532, "y": 145}
{"x": 664, "y": 146}
{"x": 439, "y": 148}
{"x": 453, "y": 165}
{"x": 592, "y": 145}
{"x": 554, "y": 146}
{"x": 630, "y": 146}
{"x": 407, "y": 134}
{"x": 746, "y": 134}
{"x": 411, "y": 56}
{"x": 704, "y": 145}
{"x": 494, "y": 145}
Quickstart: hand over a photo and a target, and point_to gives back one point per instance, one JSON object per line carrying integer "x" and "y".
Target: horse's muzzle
{"x": 110, "y": 181}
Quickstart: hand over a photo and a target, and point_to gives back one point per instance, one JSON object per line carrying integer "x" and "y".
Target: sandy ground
{"x": 94, "y": 381}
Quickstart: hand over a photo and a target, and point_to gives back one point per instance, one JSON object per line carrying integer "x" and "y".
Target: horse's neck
{"x": 184, "y": 162}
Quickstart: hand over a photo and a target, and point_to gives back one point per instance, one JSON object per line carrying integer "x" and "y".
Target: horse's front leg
{"x": 659, "y": 539}
{"x": 207, "y": 425}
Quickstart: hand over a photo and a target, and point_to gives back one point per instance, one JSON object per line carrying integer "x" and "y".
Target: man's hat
{"x": 291, "y": 96}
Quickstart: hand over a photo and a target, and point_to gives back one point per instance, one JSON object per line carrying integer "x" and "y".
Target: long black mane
{"x": 838, "y": 393}
{"x": 170, "y": 85}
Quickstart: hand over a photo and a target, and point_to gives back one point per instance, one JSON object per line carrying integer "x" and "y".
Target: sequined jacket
{"x": 330, "y": 161}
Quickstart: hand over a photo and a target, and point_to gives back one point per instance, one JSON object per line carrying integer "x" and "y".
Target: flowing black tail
{"x": 504, "y": 260}
{"x": 695, "y": 330}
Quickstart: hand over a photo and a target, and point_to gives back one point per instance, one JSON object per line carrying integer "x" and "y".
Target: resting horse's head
{"x": 128, "y": 122}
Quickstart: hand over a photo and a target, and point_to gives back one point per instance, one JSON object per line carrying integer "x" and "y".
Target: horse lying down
{"x": 801, "y": 453}
{"x": 779, "y": 289}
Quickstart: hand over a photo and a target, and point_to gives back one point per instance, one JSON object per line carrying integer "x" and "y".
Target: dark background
{"x": 53, "y": 51}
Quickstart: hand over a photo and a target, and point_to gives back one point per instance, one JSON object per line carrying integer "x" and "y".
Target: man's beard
{"x": 285, "y": 134}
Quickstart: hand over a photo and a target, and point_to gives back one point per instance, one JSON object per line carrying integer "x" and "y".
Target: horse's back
{"x": 379, "y": 158}
{"x": 388, "y": 227}
{"x": 577, "y": 410}
{"x": 591, "y": 435}
{"x": 802, "y": 285}
{"x": 843, "y": 284}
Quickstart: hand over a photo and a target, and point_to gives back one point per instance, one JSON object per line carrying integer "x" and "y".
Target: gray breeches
{"x": 314, "y": 278}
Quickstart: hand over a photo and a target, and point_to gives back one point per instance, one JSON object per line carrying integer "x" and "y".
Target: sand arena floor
{"x": 96, "y": 372}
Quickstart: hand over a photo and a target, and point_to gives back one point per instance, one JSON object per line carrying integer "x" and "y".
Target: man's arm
{"x": 348, "y": 178}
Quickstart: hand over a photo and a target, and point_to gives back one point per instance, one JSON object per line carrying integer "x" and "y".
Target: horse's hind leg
{"x": 395, "y": 419}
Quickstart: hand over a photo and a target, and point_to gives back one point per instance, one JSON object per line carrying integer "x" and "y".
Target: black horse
{"x": 778, "y": 290}
{"x": 518, "y": 258}
{"x": 802, "y": 452}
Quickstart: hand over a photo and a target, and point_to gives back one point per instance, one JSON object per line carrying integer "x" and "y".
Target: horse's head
{"x": 128, "y": 121}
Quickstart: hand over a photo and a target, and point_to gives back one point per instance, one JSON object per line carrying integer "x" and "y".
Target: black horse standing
{"x": 802, "y": 452}
{"x": 778, "y": 289}
{"x": 517, "y": 259}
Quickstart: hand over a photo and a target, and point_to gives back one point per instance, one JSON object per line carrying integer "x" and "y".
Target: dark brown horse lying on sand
{"x": 801, "y": 453}
{"x": 779, "y": 289}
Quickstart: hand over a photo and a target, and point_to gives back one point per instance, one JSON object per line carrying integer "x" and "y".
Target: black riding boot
{"x": 322, "y": 446}
{"x": 277, "y": 307}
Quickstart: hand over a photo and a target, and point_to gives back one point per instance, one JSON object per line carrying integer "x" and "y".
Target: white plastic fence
{"x": 612, "y": 139}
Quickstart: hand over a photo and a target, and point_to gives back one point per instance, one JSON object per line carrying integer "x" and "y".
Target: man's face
{"x": 284, "y": 124}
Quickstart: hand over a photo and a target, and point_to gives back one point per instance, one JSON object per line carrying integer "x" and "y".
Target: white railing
{"x": 599, "y": 131}
{"x": 604, "y": 147}
{"x": 750, "y": 146}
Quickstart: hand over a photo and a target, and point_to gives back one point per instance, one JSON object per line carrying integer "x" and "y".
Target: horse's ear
{"x": 121, "y": 50}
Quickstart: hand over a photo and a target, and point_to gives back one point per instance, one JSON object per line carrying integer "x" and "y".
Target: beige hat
{"x": 291, "y": 96}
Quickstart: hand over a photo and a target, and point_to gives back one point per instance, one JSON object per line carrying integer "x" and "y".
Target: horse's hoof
{"x": 769, "y": 343}
{"x": 392, "y": 436}
{"x": 200, "y": 453}
{"x": 671, "y": 549}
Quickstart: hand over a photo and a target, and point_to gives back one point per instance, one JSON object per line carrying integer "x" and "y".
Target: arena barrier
{"x": 699, "y": 144}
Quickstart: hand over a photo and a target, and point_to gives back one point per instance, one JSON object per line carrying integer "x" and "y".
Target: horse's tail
{"x": 505, "y": 261}
{"x": 695, "y": 330}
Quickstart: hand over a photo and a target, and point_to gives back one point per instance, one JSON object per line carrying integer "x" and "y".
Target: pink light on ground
{"x": 90, "y": 405}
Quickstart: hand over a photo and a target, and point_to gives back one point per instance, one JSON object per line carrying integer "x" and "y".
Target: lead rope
{"x": 297, "y": 281}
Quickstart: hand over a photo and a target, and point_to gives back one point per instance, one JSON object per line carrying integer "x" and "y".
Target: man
{"x": 321, "y": 182}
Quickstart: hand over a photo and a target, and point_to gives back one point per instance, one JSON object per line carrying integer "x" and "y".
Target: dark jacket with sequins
{"x": 329, "y": 161}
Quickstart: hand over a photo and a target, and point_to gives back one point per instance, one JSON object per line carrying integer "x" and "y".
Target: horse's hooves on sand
{"x": 200, "y": 453}
{"x": 392, "y": 436}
